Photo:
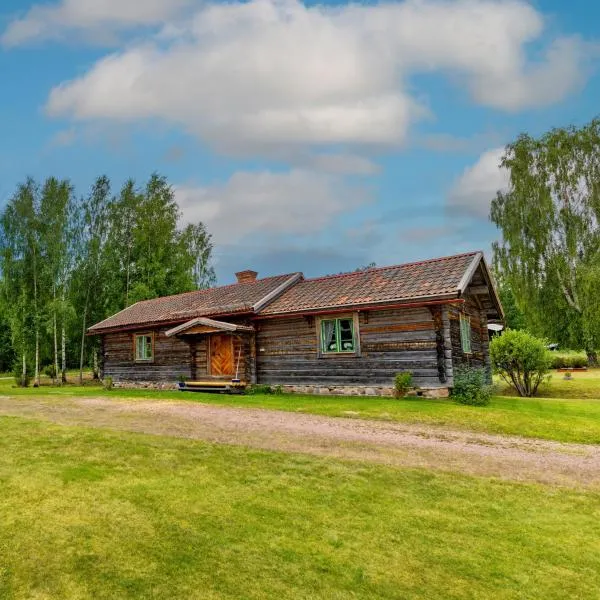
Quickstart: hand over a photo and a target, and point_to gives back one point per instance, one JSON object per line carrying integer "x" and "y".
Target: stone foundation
{"x": 384, "y": 391}
{"x": 146, "y": 385}
{"x": 316, "y": 390}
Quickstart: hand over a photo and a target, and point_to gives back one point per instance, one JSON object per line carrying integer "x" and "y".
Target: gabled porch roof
{"x": 210, "y": 324}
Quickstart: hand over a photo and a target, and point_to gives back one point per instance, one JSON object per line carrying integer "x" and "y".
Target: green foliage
{"x": 471, "y": 386}
{"x": 107, "y": 383}
{"x": 260, "y": 390}
{"x": 568, "y": 360}
{"x": 67, "y": 263}
{"x": 21, "y": 379}
{"x": 521, "y": 359}
{"x": 50, "y": 371}
{"x": 514, "y": 317}
{"x": 7, "y": 351}
{"x": 549, "y": 218}
{"x": 402, "y": 383}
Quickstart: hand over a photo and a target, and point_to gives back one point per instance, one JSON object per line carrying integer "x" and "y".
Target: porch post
{"x": 253, "y": 366}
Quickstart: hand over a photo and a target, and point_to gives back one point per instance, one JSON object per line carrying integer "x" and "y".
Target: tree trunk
{"x": 37, "y": 324}
{"x": 63, "y": 370}
{"x": 37, "y": 357}
{"x": 55, "y": 332}
{"x": 592, "y": 356}
{"x": 63, "y": 337}
{"x": 24, "y": 371}
{"x": 81, "y": 356}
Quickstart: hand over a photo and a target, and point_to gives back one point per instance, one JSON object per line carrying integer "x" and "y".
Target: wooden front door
{"x": 221, "y": 356}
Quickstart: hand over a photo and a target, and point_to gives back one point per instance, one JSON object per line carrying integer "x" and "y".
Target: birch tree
{"x": 56, "y": 247}
{"x": 199, "y": 248}
{"x": 549, "y": 219}
{"x": 19, "y": 245}
{"x": 91, "y": 240}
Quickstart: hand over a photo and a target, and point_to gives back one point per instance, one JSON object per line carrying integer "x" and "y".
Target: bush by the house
{"x": 521, "y": 359}
{"x": 569, "y": 360}
{"x": 471, "y": 386}
{"x": 259, "y": 390}
{"x": 402, "y": 383}
{"x": 107, "y": 383}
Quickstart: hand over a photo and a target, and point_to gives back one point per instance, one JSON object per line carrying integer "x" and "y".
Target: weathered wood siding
{"x": 172, "y": 358}
{"x": 391, "y": 341}
{"x": 480, "y": 343}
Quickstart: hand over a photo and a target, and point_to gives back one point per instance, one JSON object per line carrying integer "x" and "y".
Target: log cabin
{"x": 340, "y": 334}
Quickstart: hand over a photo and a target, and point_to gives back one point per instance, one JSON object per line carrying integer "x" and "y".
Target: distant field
{"x": 566, "y": 411}
{"x": 103, "y": 515}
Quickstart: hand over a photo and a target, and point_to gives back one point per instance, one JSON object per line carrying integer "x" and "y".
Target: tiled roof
{"x": 431, "y": 279}
{"x": 225, "y": 300}
{"x": 401, "y": 283}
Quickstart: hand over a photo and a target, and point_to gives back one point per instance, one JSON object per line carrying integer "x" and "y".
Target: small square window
{"x": 465, "y": 334}
{"x": 338, "y": 336}
{"x": 144, "y": 348}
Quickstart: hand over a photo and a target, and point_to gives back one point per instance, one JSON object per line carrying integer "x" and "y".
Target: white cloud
{"x": 479, "y": 184}
{"x": 98, "y": 18}
{"x": 340, "y": 164}
{"x": 297, "y": 202}
{"x": 270, "y": 73}
{"x": 65, "y": 137}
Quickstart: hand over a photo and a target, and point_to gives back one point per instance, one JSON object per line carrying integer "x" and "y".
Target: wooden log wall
{"x": 172, "y": 358}
{"x": 479, "y": 356}
{"x": 391, "y": 341}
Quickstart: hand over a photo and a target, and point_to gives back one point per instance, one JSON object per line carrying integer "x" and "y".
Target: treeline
{"x": 68, "y": 262}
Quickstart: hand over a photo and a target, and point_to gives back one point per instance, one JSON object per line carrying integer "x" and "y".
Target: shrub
{"x": 471, "y": 386}
{"x": 521, "y": 360}
{"x": 50, "y": 371}
{"x": 259, "y": 389}
{"x": 20, "y": 379}
{"x": 107, "y": 383}
{"x": 402, "y": 383}
{"x": 568, "y": 360}
{"x": 580, "y": 361}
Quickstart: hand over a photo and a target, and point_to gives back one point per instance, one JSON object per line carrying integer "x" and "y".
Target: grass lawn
{"x": 96, "y": 514}
{"x": 565, "y": 411}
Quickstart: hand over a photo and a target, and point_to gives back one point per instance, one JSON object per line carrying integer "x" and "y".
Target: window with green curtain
{"x": 338, "y": 336}
{"x": 143, "y": 348}
{"x": 465, "y": 334}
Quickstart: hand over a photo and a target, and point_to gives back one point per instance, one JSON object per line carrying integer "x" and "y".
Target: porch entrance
{"x": 221, "y": 359}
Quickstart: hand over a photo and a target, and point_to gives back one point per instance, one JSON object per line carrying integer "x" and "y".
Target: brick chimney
{"x": 246, "y": 276}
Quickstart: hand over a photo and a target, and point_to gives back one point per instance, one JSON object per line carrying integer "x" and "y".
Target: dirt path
{"x": 511, "y": 458}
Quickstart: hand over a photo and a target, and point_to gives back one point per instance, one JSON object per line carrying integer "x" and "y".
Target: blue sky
{"x": 312, "y": 137}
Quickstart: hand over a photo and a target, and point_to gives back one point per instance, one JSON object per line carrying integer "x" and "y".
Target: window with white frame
{"x": 465, "y": 334}
{"x": 144, "y": 348}
{"x": 338, "y": 336}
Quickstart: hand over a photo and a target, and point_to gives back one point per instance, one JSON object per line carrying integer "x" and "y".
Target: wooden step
{"x": 214, "y": 386}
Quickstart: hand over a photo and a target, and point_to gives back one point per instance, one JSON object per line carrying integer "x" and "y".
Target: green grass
{"x": 567, "y": 411}
{"x": 96, "y": 514}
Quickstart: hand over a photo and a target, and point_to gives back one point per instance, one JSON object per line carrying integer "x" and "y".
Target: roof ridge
{"x": 378, "y": 269}
{"x": 218, "y": 287}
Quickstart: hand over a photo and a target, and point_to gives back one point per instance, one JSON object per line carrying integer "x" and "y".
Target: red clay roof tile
{"x": 224, "y": 300}
{"x": 433, "y": 279}
{"x": 400, "y": 283}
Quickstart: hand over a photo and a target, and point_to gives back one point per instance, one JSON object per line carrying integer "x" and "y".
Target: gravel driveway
{"x": 396, "y": 444}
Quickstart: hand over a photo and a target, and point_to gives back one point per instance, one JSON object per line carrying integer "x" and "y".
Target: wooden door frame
{"x": 209, "y": 354}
